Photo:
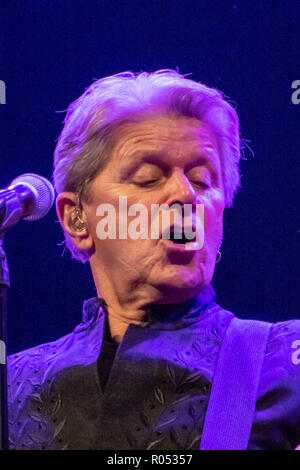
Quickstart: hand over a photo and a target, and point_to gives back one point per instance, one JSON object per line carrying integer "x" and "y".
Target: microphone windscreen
{"x": 43, "y": 191}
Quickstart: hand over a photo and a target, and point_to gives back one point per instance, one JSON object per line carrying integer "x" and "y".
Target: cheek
{"x": 121, "y": 254}
{"x": 213, "y": 219}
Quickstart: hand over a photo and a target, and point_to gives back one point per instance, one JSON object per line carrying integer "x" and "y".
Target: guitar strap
{"x": 233, "y": 395}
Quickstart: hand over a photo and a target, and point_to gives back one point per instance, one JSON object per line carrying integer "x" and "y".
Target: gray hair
{"x": 84, "y": 144}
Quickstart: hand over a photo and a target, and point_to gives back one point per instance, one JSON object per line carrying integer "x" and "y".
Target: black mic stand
{"x": 14, "y": 205}
{"x": 4, "y": 285}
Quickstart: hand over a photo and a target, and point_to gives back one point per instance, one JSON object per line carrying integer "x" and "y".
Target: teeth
{"x": 190, "y": 236}
{"x": 180, "y": 237}
{"x": 175, "y": 233}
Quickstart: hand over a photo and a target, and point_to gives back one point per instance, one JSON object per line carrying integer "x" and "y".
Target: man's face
{"x": 160, "y": 160}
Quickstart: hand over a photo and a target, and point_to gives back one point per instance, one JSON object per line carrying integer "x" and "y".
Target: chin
{"x": 179, "y": 283}
{"x": 174, "y": 295}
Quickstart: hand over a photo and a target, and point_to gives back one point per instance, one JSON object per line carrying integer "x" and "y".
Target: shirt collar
{"x": 161, "y": 315}
{"x": 182, "y": 313}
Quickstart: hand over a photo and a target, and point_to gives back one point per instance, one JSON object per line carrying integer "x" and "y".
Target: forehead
{"x": 162, "y": 134}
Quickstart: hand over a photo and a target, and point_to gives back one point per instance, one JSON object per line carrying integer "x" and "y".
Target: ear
{"x": 66, "y": 204}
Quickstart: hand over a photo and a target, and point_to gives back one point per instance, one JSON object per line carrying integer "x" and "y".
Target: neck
{"x": 128, "y": 301}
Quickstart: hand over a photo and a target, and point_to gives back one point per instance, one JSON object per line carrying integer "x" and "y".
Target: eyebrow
{"x": 202, "y": 160}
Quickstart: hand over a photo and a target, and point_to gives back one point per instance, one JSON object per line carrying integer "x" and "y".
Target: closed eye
{"x": 146, "y": 183}
{"x": 202, "y": 184}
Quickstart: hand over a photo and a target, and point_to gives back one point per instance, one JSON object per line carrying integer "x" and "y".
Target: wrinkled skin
{"x": 156, "y": 160}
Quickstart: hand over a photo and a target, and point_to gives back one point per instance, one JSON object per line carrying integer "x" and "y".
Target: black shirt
{"x": 106, "y": 357}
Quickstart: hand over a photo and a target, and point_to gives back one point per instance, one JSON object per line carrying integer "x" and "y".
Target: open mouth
{"x": 180, "y": 237}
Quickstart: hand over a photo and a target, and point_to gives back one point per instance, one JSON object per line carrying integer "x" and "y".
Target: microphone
{"x": 28, "y": 197}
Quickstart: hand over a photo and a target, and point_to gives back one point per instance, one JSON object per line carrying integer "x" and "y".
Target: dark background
{"x": 50, "y": 51}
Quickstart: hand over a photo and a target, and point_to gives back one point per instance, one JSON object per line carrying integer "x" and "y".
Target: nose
{"x": 180, "y": 189}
